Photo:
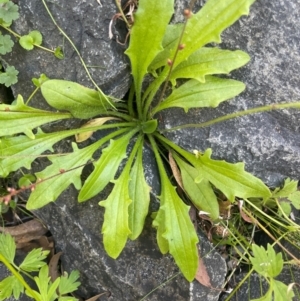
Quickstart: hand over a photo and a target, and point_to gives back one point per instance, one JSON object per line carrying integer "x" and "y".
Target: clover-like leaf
{"x": 33, "y": 38}
{"x": 7, "y": 247}
{"x": 34, "y": 260}
{"x": 9, "y": 11}
{"x": 6, "y": 44}
{"x": 20, "y": 118}
{"x": 289, "y": 187}
{"x": 10, "y": 286}
{"x": 266, "y": 262}
{"x": 36, "y": 36}
{"x": 68, "y": 283}
{"x": 26, "y": 180}
{"x": 9, "y": 77}
{"x": 194, "y": 94}
{"x": 39, "y": 81}
{"x": 27, "y": 42}
{"x": 58, "y": 53}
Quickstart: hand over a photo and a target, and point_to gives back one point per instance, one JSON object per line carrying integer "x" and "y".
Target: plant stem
{"x": 18, "y": 276}
{"x": 152, "y": 90}
{"x": 120, "y": 115}
{"x": 255, "y": 220}
{"x": 31, "y": 95}
{"x": 169, "y": 70}
{"x": 78, "y": 53}
{"x": 130, "y": 101}
{"x": 118, "y": 3}
{"x": 277, "y": 106}
{"x": 161, "y": 168}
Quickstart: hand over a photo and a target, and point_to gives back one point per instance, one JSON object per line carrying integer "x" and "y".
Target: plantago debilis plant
{"x": 168, "y": 52}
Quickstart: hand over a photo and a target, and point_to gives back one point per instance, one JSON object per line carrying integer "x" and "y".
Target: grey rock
{"x": 268, "y": 143}
{"x": 87, "y": 24}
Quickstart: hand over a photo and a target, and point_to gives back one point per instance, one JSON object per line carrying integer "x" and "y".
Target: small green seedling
{"x": 269, "y": 264}
{"x": 34, "y": 261}
{"x": 9, "y": 13}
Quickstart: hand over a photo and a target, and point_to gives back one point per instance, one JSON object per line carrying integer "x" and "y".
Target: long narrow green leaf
{"x": 201, "y": 194}
{"x": 20, "y": 151}
{"x": 19, "y": 118}
{"x": 174, "y": 223}
{"x": 34, "y": 260}
{"x": 169, "y": 42}
{"x": 105, "y": 168}
{"x": 207, "y": 25}
{"x": 150, "y": 22}
{"x": 230, "y": 178}
{"x": 80, "y": 101}
{"x": 179, "y": 230}
{"x": 160, "y": 225}
{"x": 194, "y": 94}
{"x": 115, "y": 228}
{"x": 208, "y": 61}
{"x": 139, "y": 193}
{"x": 63, "y": 171}
{"x": 7, "y": 247}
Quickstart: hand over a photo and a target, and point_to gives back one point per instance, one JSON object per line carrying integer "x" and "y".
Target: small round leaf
{"x": 26, "y": 42}
{"x": 36, "y": 36}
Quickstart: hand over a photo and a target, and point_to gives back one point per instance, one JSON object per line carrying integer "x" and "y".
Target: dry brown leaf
{"x": 225, "y": 208}
{"x": 175, "y": 171}
{"x": 201, "y": 275}
{"x": 47, "y": 244}
{"x": 26, "y": 232}
{"x": 94, "y": 122}
{"x": 97, "y": 296}
{"x": 244, "y": 216}
{"x": 53, "y": 271}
